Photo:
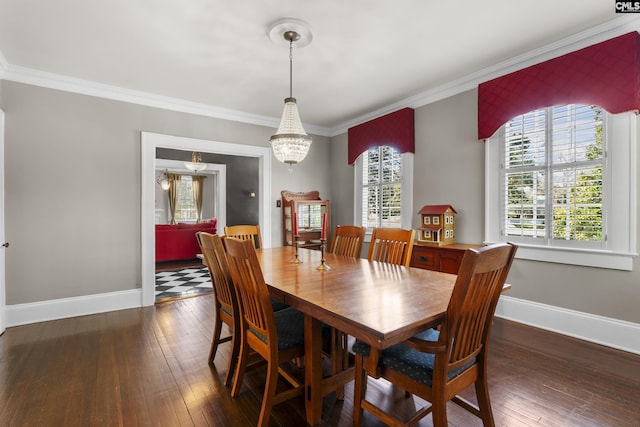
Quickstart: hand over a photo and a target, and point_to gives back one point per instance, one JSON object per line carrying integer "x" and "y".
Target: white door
{"x": 2, "y": 241}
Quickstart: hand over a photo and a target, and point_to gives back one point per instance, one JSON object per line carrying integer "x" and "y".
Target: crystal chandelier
{"x": 195, "y": 164}
{"x": 290, "y": 143}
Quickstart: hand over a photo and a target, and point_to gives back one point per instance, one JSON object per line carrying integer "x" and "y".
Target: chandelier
{"x": 195, "y": 164}
{"x": 290, "y": 143}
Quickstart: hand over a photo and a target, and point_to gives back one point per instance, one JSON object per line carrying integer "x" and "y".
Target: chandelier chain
{"x": 290, "y": 68}
{"x": 290, "y": 143}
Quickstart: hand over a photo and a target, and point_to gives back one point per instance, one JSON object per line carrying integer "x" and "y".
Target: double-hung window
{"x": 560, "y": 181}
{"x": 185, "y": 205}
{"x": 384, "y": 190}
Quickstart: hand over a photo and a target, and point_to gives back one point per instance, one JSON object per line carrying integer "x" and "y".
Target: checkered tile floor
{"x": 182, "y": 283}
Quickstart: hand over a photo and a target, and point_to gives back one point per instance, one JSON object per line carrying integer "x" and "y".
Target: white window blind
{"x": 553, "y": 174}
{"x": 381, "y": 187}
{"x": 561, "y": 181}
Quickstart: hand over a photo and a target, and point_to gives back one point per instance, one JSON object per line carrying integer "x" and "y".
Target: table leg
{"x": 313, "y": 369}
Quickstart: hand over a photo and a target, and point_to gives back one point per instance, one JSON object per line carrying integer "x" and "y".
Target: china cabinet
{"x": 311, "y": 210}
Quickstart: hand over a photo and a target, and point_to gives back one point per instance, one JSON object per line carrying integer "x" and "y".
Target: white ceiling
{"x": 366, "y": 57}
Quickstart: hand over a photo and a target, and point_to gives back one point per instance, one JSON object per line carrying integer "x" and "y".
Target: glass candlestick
{"x": 323, "y": 265}
{"x": 296, "y": 259}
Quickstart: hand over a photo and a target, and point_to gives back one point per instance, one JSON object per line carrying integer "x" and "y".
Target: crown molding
{"x": 45, "y": 79}
{"x": 613, "y": 28}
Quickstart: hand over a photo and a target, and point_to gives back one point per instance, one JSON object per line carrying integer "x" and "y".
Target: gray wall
{"x": 342, "y": 183}
{"x": 72, "y": 176}
{"x": 449, "y": 169}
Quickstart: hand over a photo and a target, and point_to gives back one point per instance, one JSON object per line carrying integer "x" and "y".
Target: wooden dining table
{"x": 379, "y": 303}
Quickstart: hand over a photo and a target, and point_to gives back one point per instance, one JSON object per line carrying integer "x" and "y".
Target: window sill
{"x": 572, "y": 256}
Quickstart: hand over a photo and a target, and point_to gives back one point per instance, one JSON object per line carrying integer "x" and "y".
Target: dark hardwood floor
{"x": 175, "y": 265}
{"x": 148, "y": 367}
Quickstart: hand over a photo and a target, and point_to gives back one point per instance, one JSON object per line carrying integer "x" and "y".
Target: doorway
{"x": 2, "y": 236}
{"x": 186, "y": 278}
{"x": 149, "y": 143}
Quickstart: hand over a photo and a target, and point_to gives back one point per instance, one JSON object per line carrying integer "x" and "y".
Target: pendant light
{"x": 195, "y": 164}
{"x": 290, "y": 143}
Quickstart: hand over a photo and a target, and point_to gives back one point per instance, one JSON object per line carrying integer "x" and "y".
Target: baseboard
{"x": 597, "y": 329}
{"x": 22, "y": 314}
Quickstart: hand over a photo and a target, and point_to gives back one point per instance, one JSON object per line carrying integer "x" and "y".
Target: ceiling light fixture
{"x": 195, "y": 164}
{"x": 290, "y": 143}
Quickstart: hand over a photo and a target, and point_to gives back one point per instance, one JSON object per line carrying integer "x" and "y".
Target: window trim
{"x": 406, "y": 204}
{"x": 621, "y": 211}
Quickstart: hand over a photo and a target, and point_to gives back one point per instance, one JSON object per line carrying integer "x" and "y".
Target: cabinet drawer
{"x": 425, "y": 259}
{"x": 440, "y": 258}
{"x": 450, "y": 262}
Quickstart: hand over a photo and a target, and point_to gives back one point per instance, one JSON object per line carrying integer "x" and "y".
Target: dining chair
{"x": 245, "y": 232}
{"x": 348, "y": 240}
{"x": 277, "y": 337}
{"x": 392, "y": 245}
{"x": 439, "y": 363}
{"x": 251, "y": 232}
{"x": 226, "y": 303}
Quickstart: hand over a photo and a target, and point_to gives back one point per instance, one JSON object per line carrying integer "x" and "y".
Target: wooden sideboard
{"x": 446, "y": 258}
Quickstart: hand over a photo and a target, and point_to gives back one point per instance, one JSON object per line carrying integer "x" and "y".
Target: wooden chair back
{"x": 482, "y": 274}
{"x": 459, "y": 347}
{"x": 226, "y": 301}
{"x": 245, "y": 232}
{"x": 348, "y": 240}
{"x": 216, "y": 260}
{"x": 255, "y": 302}
{"x": 391, "y": 245}
{"x": 259, "y": 330}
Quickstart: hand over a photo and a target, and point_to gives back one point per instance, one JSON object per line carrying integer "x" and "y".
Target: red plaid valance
{"x": 394, "y": 129}
{"x": 606, "y": 74}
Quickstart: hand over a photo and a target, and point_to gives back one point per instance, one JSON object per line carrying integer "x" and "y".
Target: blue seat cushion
{"x": 277, "y": 305}
{"x": 289, "y": 326}
{"x": 414, "y": 364}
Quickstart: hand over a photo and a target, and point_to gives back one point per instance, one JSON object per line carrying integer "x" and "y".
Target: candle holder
{"x": 323, "y": 265}
{"x": 296, "y": 259}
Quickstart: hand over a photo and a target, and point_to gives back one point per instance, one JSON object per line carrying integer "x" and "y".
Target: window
{"x": 561, "y": 183}
{"x": 185, "y": 205}
{"x": 310, "y": 215}
{"x": 384, "y": 189}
